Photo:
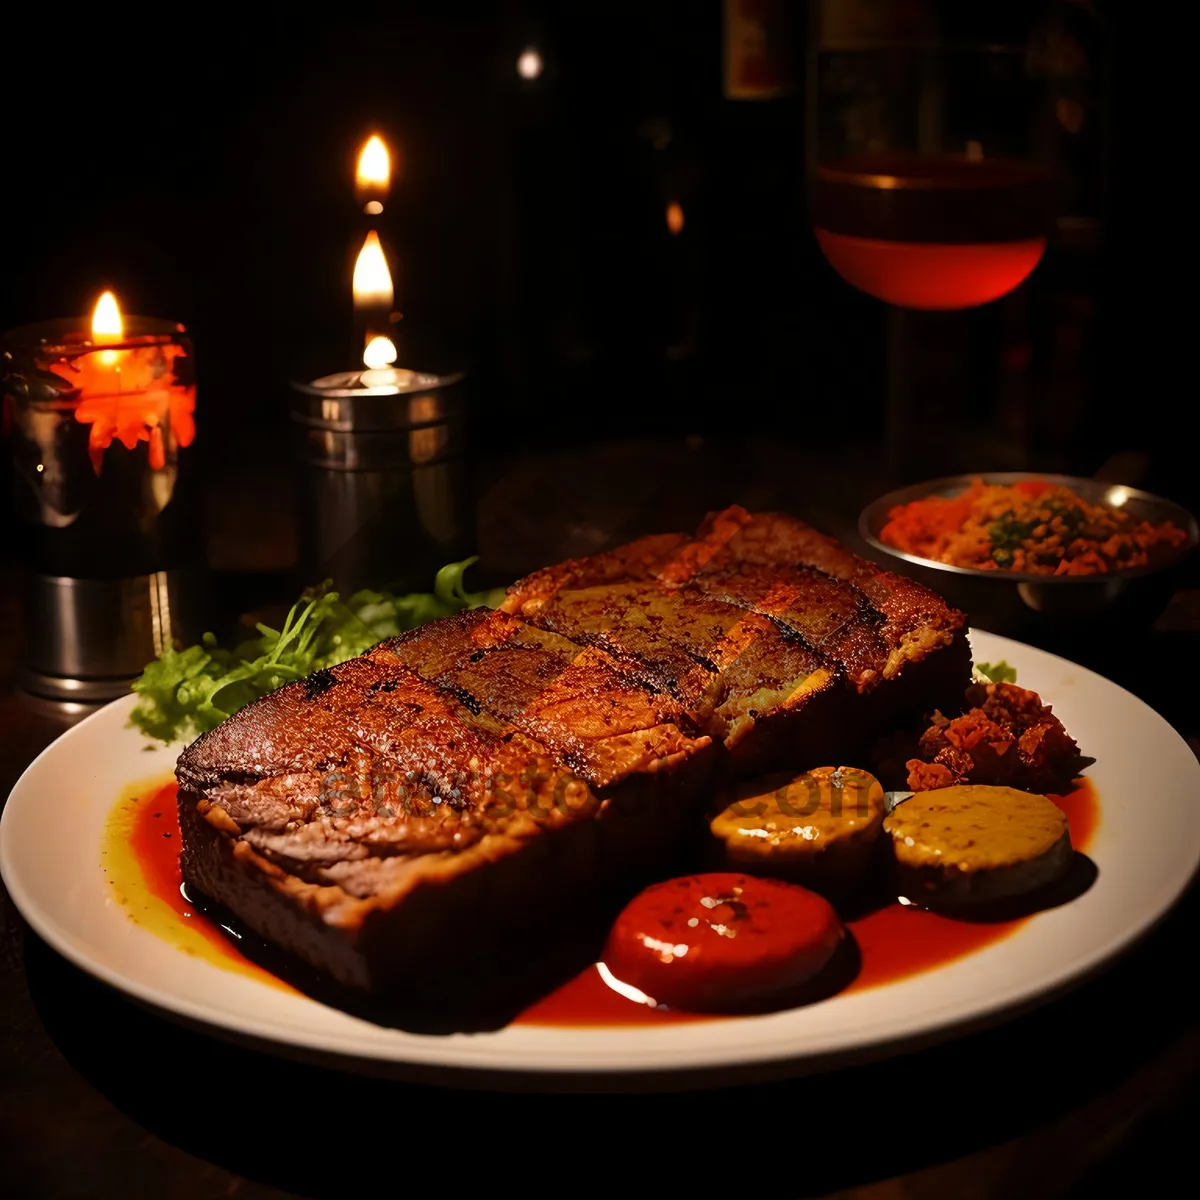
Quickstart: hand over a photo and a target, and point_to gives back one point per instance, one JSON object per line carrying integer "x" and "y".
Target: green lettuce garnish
{"x": 184, "y": 693}
{"x": 998, "y": 672}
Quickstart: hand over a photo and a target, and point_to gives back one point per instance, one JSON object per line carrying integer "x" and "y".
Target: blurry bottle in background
{"x": 757, "y": 247}
{"x": 757, "y": 51}
{"x": 1053, "y": 392}
{"x": 1068, "y": 54}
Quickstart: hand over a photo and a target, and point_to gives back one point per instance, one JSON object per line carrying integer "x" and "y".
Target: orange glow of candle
{"x": 130, "y": 394}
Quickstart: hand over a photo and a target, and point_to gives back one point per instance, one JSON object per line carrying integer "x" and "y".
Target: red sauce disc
{"x": 713, "y": 943}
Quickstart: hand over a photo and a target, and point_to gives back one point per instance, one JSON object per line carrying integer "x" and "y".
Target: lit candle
{"x": 97, "y": 415}
{"x": 374, "y": 296}
{"x": 129, "y": 388}
{"x": 380, "y": 352}
{"x": 380, "y": 446}
{"x": 373, "y": 176}
{"x": 107, "y": 325}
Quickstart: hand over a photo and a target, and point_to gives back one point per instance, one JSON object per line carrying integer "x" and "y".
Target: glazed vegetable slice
{"x": 973, "y": 844}
{"x": 818, "y": 828}
{"x": 719, "y": 942}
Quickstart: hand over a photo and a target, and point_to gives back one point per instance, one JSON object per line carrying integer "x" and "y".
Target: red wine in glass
{"x": 931, "y": 231}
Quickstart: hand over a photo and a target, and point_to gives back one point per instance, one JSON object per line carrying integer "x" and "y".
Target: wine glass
{"x": 925, "y": 189}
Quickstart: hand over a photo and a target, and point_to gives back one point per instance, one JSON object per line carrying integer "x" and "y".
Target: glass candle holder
{"x": 100, "y": 434}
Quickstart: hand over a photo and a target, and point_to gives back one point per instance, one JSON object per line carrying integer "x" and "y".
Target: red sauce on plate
{"x": 1083, "y": 813}
{"x": 894, "y": 941}
{"x": 141, "y": 859}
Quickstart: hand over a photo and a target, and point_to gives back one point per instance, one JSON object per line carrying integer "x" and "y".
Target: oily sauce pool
{"x": 140, "y": 857}
{"x": 141, "y": 860}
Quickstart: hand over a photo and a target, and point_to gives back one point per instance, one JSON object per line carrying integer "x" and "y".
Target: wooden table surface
{"x": 1097, "y": 1092}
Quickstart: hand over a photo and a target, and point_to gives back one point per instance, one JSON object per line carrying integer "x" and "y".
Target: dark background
{"x": 200, "y": 162}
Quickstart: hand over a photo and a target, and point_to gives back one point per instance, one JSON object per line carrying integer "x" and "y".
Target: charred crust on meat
{"x": 467, "y": 699}
{"x": 384, "y": 685}
{"x": 458, "y": 757}
{"x": 320, "y": 682}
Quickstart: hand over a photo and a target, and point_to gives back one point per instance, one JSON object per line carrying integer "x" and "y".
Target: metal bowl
{"x": 1020, "y": 603}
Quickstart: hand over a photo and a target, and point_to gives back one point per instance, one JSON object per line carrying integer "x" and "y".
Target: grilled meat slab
{"x": 415, "y": 807}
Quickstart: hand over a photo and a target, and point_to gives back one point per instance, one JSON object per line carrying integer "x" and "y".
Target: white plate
{"x": 1146, "y": 848}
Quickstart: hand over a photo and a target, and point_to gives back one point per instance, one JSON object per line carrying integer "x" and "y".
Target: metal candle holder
{"x": 382, "y": 476}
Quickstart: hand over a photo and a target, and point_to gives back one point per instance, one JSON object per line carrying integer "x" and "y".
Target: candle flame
{"x": 372, "y": 279}
{"x": 380, "y": 353}
{"x": 106, "y": 320}
{"x": 529, "y": 63}
{"x": 675, "y": 219}
{"x": 374, "y": 164}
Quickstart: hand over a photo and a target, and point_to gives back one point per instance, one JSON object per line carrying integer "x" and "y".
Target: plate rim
{"x": 926, "y": 1025}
